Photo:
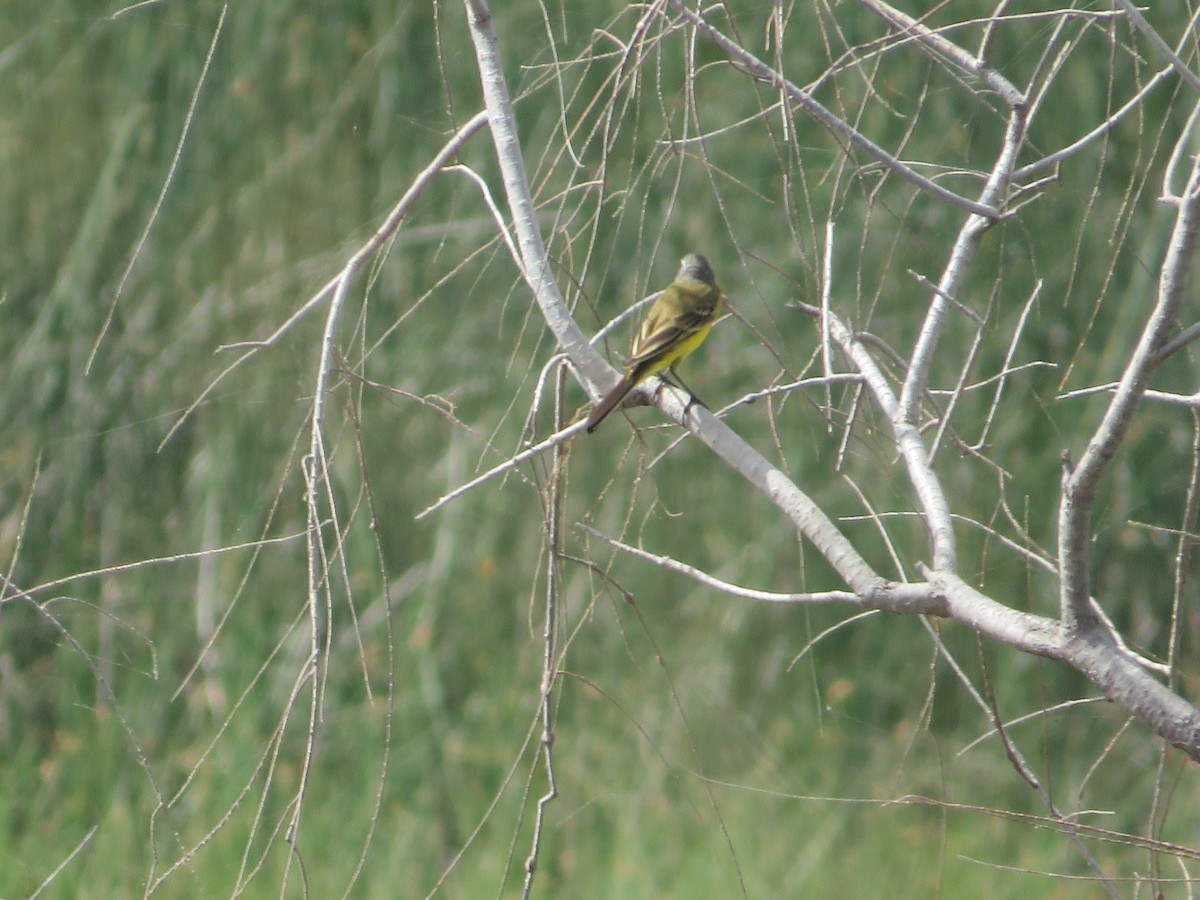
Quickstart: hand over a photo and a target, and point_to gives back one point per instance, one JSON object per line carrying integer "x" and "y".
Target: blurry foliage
{"x": 307, "y": 129}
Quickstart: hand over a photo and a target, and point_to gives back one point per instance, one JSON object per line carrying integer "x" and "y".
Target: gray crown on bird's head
{"x": 695, "y": 267}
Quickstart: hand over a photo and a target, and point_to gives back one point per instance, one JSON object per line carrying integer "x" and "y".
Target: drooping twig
{"x": 553, "y": 513}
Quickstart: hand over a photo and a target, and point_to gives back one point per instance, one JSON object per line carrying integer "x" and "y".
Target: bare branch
{"x": 168, "y": 180}
{"x": 79, "y": 847}
{"x": 1156, "y": 41}
{"x": 1030, "y": 717}
{"x": 776, "y": 79}
{"x": 908, "y": 440}
{"x": 1178, "y": 342}
{"x": 1079, "y": 486}
{"x": 993, "y": 194}
{"x": 507, "y": 466}
{"x": 789, "y": 387}
{"x": 534, "y": 263}
{"x": 940, "y": 47}
{"x": 1190, "y": 400}
{"x": 1007, "y": 365}
{"x": 1093, "y": 652}
{"x": 736, "y": 590}
{"x": 1049, "y": 161}
{"x": 550, "y": 639}
{"x": 1180, "y": 156}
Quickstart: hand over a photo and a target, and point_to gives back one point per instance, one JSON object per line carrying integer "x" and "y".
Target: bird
{"x": 677, "y": 323}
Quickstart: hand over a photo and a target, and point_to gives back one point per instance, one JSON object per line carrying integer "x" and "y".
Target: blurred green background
{"x": 156, "y": 717}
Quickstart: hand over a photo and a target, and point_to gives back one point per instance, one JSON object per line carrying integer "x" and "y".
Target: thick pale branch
{"x": 904, "y": 413}
{"x": 807, "y": 517}
{"x": 1132, "y": 688}
{"x": 534, "y": 262}
{"x": 800, "y": 509}
{"x": 1094, "y": 653}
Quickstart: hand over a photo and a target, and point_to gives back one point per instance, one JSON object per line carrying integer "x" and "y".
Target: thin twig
{"x": 168, "y": 180}
{"x": 826, "y": 306}
{"x": 1007, "y": 364}
{"x": 964, "y": 372}
{"x": 1025, "y": 771}
{"x": 554, "y": 512}
{"x": 512, "y": 462}
{"x": 1050, "y": 160}
{"x": 65, "y": 862}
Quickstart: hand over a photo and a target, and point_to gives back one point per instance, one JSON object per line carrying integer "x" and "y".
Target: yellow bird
{"x": 677, "y": 323}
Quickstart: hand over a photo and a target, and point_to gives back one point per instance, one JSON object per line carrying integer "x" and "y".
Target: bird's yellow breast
{"x": 679, "y": 351}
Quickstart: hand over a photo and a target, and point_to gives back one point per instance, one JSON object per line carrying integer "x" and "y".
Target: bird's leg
{"x": 682, "y": 385}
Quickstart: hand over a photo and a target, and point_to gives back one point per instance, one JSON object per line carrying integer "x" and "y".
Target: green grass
{"x": 702, "y": 744}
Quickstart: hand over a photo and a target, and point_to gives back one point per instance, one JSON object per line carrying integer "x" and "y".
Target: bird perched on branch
{"x": 677, "y": 323}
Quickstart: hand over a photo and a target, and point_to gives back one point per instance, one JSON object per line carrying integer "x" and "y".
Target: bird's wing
{"x": 660, "y": 332}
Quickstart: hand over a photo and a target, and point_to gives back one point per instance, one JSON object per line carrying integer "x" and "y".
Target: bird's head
{"x": 695, "y": 267}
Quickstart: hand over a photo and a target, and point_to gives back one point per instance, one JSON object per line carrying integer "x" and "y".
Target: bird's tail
{"x": 610, "y": 402}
